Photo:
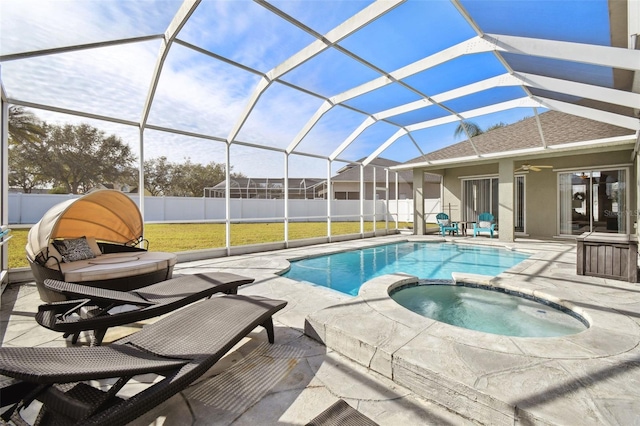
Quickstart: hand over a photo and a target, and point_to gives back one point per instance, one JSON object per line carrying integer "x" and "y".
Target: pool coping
{"x": 456, "y": 367}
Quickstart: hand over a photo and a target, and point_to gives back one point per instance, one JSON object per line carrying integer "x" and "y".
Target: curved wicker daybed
{"x": 111, "y": 226}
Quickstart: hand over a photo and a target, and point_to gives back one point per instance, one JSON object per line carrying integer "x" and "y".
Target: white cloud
{"x": 41, "y": 24}
{"x": 200, "y": 94}
{"x": 196, "y": 93}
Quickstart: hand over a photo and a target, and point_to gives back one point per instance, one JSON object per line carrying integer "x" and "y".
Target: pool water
{"x": 488, "y": 311}
{"x": 347, "y": 271}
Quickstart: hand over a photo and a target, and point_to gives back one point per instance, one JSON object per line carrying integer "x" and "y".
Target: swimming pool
{"x": 347, "y": 271}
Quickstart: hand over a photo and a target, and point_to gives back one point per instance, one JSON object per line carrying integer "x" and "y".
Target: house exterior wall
{"x": 541, "y": 198}
{"x": 405, "y": 189}
{"x": 541, "y": 188}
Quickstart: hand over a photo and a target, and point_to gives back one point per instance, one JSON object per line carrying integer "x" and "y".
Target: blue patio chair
{"x": 446, "y": 225}
{"x": 485, "y": 223}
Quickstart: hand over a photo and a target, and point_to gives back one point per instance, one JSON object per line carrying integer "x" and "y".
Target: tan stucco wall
{"x": 541, "y": 202}
{"x": 541, "y": 211}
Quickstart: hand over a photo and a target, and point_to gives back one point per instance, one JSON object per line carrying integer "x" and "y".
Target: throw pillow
{"x": 484, "y": 224}
{"x": 73, "y": 250}
{"x": 444, "y": 222}
{"x": 94, "y": 246}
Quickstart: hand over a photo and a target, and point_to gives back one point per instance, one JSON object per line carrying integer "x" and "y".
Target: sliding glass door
{"x": 481, "y": 195}
{"x": 593, "y": 201}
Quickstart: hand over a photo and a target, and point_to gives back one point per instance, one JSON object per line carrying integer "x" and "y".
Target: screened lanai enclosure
{"x": 288, "y": 90}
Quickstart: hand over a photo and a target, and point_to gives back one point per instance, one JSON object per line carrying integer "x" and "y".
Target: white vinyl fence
{"x": 27, "y": 209}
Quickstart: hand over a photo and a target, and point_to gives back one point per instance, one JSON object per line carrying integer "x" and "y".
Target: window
{"x": 353, "y": 195}
{"x": 345, "y": 195}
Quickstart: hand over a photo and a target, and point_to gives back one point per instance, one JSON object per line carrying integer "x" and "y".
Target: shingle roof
{"x": 558, "y": 128}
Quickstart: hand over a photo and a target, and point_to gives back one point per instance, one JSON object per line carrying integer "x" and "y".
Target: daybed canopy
{"x": 108, "y": 215}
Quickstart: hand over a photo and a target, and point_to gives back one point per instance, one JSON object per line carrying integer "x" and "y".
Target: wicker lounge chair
{"x": 97, "y": 308}
{"x": 97, "y": 240}
{"x": 171, "y": 347}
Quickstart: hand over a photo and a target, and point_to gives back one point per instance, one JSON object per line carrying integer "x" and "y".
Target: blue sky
{"x": 202, "y": 94}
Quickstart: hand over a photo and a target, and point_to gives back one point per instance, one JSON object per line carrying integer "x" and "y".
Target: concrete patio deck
{"x": 395, "y": 366}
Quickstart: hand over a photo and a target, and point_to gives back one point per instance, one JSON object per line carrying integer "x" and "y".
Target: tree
{"x": 82, "y": 157}
{"x": 77, "y": 158}
{"x": 190, "y": 179}
{"x": 496, "y": 126}
{"x": 25, "y": 133}
{"x": 25, "y": 171}
{"x": 71, "y": 156}
{"x": 158, "y": 173}
{"x": 24, "y": 126}
{"x": 471, "y": 128}
{"x": 187, "y": 179}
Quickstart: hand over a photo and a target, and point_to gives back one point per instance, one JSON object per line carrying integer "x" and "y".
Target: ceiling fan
{"x": 534, "y": 168}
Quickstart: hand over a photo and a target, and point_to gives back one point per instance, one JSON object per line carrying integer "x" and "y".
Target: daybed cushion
{"x": 117, "y": 265}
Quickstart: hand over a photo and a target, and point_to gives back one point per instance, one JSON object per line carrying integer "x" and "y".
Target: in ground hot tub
{"x": 489, "y": 309}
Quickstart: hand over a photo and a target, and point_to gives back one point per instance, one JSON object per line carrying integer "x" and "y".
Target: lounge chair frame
{"x": 56, "y": 376}
{"x": 90, "y": 308}
{"x": 341, "y": 414}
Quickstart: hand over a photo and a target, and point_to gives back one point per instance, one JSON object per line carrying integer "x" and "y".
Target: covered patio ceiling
{"x": 344, "y": 82}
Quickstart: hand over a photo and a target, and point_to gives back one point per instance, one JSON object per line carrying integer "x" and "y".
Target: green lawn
{"x": 195, "y": 236}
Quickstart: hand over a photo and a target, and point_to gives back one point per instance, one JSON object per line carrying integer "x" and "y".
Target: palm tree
{"x": 24, "y": 125}
{"x": 496, "y": 126}
{"x": 471, "y": 128}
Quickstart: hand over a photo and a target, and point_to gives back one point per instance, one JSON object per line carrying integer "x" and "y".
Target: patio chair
{"x": 98, "y": 309}
{"x": 484, "y": 224}
{"x": 181, "y": 347}
{"x": 446, "y": 225}
{"x": 341, "y": 414}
